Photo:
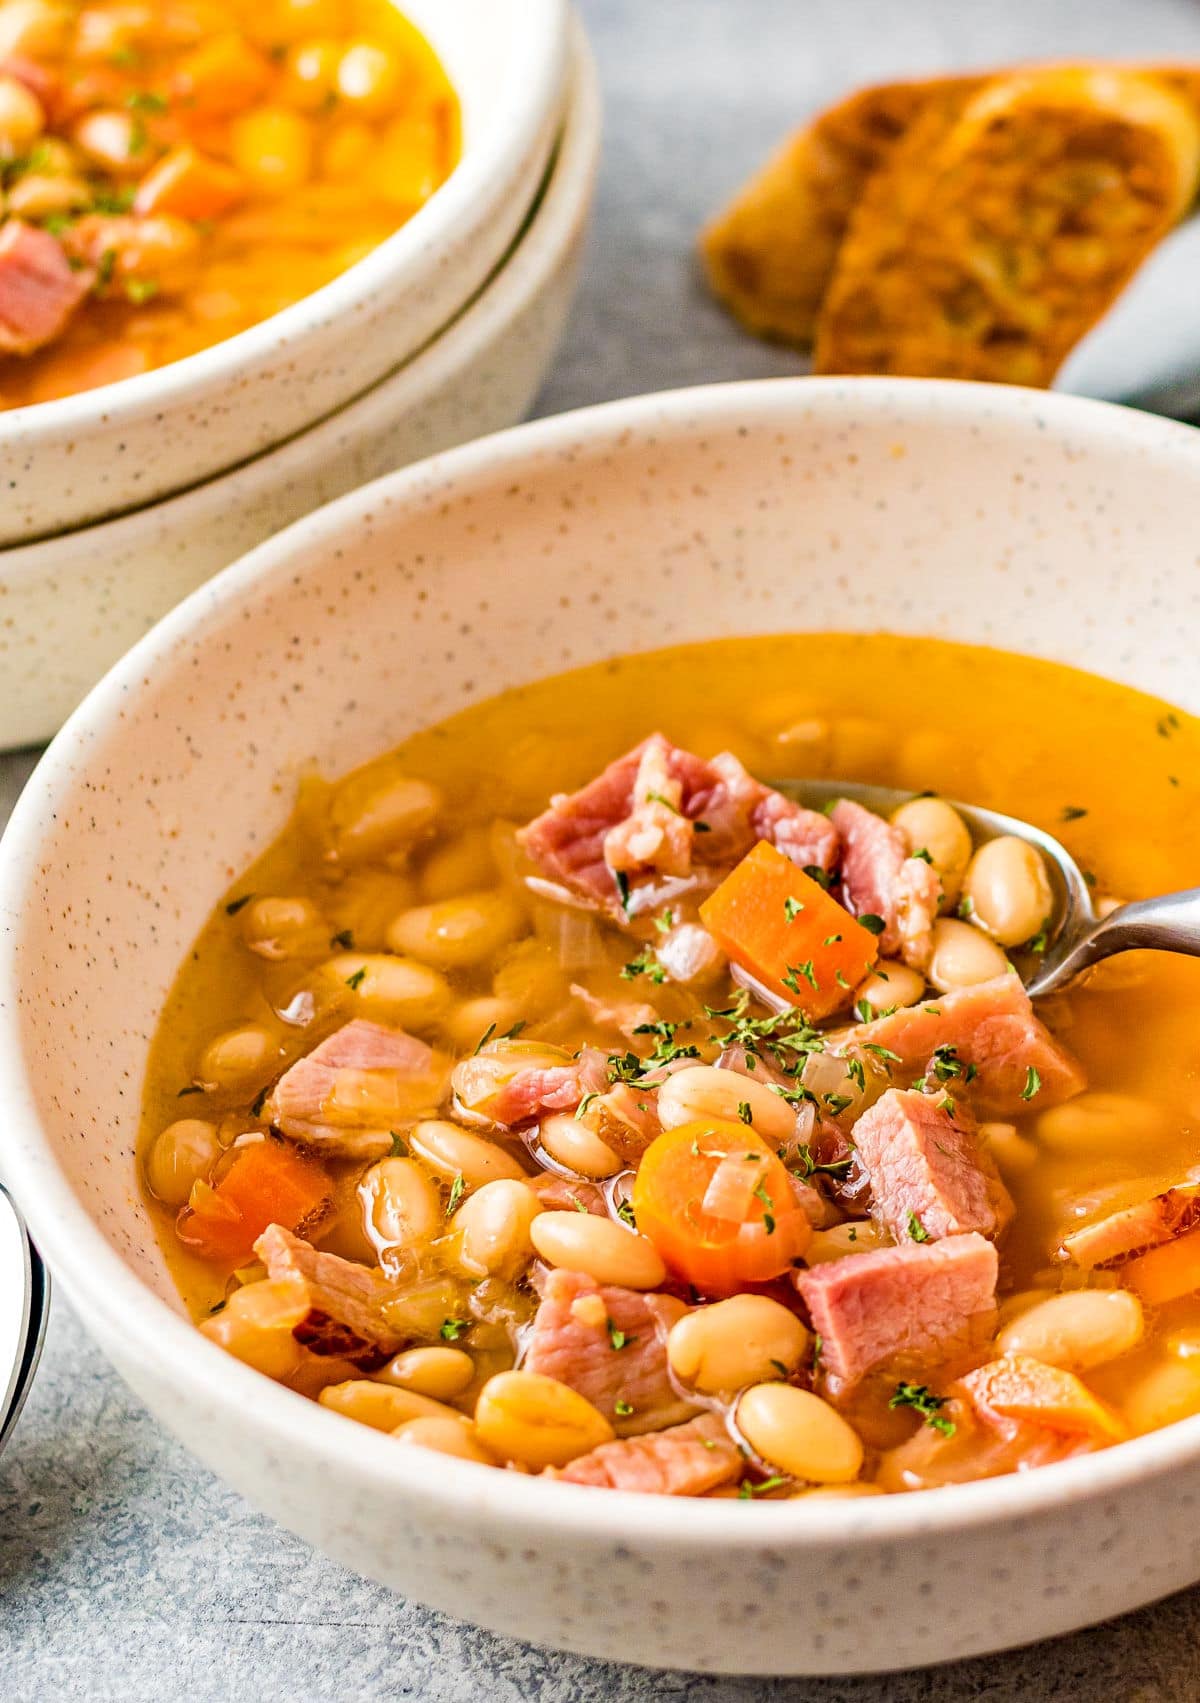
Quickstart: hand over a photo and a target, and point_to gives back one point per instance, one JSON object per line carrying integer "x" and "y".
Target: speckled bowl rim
{"x": 89, "y": 1267}
{"x": 534, "y": 86}
{"x": 565, "y": 198}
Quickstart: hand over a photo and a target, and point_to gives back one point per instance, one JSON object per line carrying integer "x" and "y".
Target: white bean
{"x": 705, "y": 1091}
{"x": 931, "y": 825}
{"x": 891, "y": 984}
{"x": 454, "y": 934}
{"x": 452, "y": 1151}
{"x": 1076, "y": 1330}
{"x": 744, "y": 1340}
{"x": 568, "y": 1139}
{"x": 962, "y": 956}
{"x": 410, "y": 994}
{"x": 491, "y": 1233}
{"x": 581, "y": 1241}
{"x": 181, "y": 1154}
{"x": 799, "y": 1433}
{"x": 1009, "y": 889}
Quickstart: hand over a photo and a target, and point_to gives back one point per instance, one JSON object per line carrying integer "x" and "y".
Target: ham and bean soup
{"x": 174, "y": 171}
{"x": 556, "y": 1094}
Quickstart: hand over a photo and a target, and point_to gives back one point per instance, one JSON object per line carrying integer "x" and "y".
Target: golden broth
{"x": 311, "y": 130}
{"x": 1112, "y": 772}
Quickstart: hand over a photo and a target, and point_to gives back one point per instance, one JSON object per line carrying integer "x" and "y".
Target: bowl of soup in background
{"x": 80, "y": 458}
{"x": 1040, "y": 524}
{"x": 75, "y": 603}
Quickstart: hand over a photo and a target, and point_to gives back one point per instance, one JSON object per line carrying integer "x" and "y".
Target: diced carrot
{"x": 221, "y": 77}
{"x": 267, "y": 1183}
{"x": 1166, "y": 1273}
{"x": 1020, "y": 1387}
{"x": 719, "y": 1207}
{"x": 783, "y": 928}
{"x": 189, "y": 185}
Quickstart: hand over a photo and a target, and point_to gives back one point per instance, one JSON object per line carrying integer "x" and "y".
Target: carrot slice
{"x": 719, "y": 1207}
{"x": 783, "y": 928}
{"x": 268, "y": 1183}
{"x": 1166, "y": 1273}
{"x": 221, "y": 77}
{"x": 1020, "y": 1387}
{"x": 190, "y": 185}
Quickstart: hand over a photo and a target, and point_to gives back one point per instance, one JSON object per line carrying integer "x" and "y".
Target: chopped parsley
{"x": 1167, "y": 726}
{"x": 140, "y": 290}
{"x": 792, "y": 908}
{"x": 923, "y": 853}
{"x": 1072, "y": 813}
{"x": 645, "y": 964}
{"x": 666, "y": 921}
{"x": 399, "y": 1145}
{"x": 581, "y": 1108}
{"x": 946, "y": 1064}
{"x": 872, "y": 923}
{"x": 260, "y": 1101}
{"x": 622, "y": 885}
{"x": 1033, "y": 1083}
{"x": 856, "y": 1071}
{"x": 236, "y": 905}
{"x": 518, "y": 1026}
{"x": 452, "y": 1329}
{"x": 483, "y": 1039}
{"x": 966, "y": 907}
{"x": 817, "y": 874}
{"x": 922, "y": 1400}
{"x": 457, "y": 1189}
{"x": 863, "y": 1010}
{"x": 744, "y": 1112}
{"x": 194, "y": 1088}
{"x": 1039, "y": 941}
{"x": 746, "y": 1489}
{"x": 806, "y": 1166}
{"x": 761, "y": 1193}
{"x": 145, "y": 100}
{"x": 625, "y": 1214}
{"x": 831, "y": 939}
{"x": 794, "y": 970}
{"x": 622, "y": 1408}
{"x": 218, "y": 1307}
{"x": 779, "y": 1367}
{"x": 355, "y": 981}
{"x": 345, "y": 940}
{"x": 916, "y": 1230}
{"x": 617, "y": 1337}
{"x": 837, "y": 1103}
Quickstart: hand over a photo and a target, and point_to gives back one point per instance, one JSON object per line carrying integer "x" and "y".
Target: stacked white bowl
{"x": 119, "y": 501}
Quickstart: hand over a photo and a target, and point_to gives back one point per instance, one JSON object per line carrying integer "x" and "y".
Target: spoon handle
{"x": 1169, "y": 923}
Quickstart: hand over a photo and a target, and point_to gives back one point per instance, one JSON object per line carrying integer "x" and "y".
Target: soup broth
{"x": 560, "y": 1041}
{"x": 175, "y": 171}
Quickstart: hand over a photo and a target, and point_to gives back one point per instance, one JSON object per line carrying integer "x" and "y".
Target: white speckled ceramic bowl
{"x": 72, "y": 605}
{"x": 85, "y": 457}
{"x": 1050, "y": 525}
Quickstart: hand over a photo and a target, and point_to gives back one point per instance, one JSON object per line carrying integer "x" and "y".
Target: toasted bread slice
{"x": 994, "y": 237}
{"x": 770, "y": 254}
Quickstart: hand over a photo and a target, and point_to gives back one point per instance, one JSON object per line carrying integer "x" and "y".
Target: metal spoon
{"x": 1074, "y": 936}
{"x": 24, "y": 1306}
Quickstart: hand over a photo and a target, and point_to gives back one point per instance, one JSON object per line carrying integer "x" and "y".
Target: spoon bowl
{"x": 24, "y": 1305}
{"x": 1074, "y": 936}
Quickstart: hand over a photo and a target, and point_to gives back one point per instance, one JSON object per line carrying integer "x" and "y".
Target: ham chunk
{"x": 495, "y": 1085}
{"x": 685, "y": 1460}
{"x": 345, "y": 1316}
{"x": 921, "y": 1299}
{"x": 880, "y": 879}
{"x": 574, "y": 1338}
{"x": 925, "y": 1167}
{"x": 39, "y": 290}
{"x": 1112, "y": 1240}
{"x": 990, "y": 1027}
{"x": 347, "y": 1094}
{"x": 660, "y": 815}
